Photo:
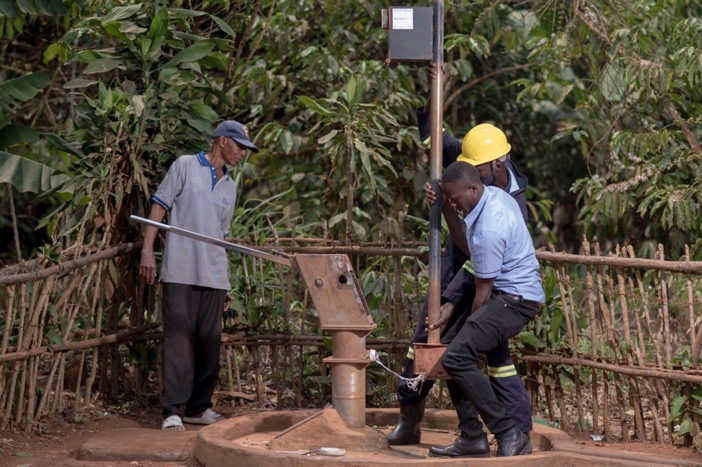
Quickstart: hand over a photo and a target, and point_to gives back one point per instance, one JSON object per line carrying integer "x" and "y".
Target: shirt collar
{"x": 512, "y": 184}
{"x": 472, "y": 216}
{"x": 202, "y": 158}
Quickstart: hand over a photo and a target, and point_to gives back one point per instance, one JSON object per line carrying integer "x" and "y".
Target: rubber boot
{"x": 407, "y": 428}
{"x": 513, "y": 443}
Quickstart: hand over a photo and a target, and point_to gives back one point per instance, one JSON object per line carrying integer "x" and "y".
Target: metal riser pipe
{"x": 349, "y": 393}
{"x": 348, "y": 363}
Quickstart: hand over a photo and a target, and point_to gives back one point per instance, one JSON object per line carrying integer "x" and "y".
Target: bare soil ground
{"x": 647, "y": 447}
{"x": 55, "y": 442}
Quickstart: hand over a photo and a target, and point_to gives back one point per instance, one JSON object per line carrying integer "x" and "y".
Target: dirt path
{"x": 60, "y": 439}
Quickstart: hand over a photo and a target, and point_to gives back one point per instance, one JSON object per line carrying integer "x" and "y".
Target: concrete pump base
{"x": 244, "y": 441}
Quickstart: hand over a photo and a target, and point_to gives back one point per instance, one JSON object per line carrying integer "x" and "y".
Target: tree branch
{"x": 477, "y": 81}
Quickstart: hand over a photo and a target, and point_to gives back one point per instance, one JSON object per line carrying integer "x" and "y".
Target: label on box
{"x": 402, "y": 18}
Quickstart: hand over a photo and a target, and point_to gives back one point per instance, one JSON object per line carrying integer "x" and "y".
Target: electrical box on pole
{"x": 411, "y": 32}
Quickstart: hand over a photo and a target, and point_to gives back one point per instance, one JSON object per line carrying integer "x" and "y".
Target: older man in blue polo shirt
{"x": 199, "y": 195}
{"x": 508, "y": 295}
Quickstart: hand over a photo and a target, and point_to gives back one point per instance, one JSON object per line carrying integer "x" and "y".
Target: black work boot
{"x": 407, "y": 429}
{"x": 463, "y": 447}
{"x": 513, "y": 443}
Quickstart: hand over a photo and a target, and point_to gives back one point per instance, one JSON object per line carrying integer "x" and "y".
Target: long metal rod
{"x": 214, "y": 241}
{"x": 435, "y": 163}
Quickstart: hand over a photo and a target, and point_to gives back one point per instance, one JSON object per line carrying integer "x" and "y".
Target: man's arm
{"x": 451, "y": 145}
{"x": 521, "y": 200}
{"x": 460, "y": 285}
{"x": 147, "y": 265}
{"x": 457, "y": 228}
{"x": 433, "y": 73}
{"x": 483, "y": 289}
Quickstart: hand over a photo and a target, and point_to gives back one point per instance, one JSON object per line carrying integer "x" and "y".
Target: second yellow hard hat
{"x": 483, "y": 143}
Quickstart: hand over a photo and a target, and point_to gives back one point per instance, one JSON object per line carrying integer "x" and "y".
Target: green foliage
{"x": 627, "y": 85}
{"x": 22, "y": 173}
{"x": 682, "y": 407}
{"x": 159, "y": 107}
{"x": 548, "y": 329}
{"x": 27, "y": 175}
{"x": 354, "y": 141}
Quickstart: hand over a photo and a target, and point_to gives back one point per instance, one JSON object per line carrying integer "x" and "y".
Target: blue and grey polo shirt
{"x": 196, "y": 201}
{"x": 501, "y": 247}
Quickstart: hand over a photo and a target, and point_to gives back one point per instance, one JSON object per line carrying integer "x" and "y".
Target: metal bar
{"x": 435, "y": 164}
{"x": 213, "y": 241}
{"x": 346, "y": 249}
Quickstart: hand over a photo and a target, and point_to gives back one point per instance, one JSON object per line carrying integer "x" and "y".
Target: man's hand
{"x": 444, "y": 316}
{"x": 430, "y": 193}
{"x": 147, "y": 266}
{"x": 228, "y": 301}
{"x": 433, "y": 72}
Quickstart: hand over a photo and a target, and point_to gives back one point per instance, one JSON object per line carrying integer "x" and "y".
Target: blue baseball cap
{"x": 236, "y": 131}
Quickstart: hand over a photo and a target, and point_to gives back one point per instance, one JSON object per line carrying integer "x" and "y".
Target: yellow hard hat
{"x": 483, "y": 143}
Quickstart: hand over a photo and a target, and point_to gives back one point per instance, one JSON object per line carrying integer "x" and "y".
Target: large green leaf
{"x": 529, "y": 338}
{"x": 351, "y": 91}
{"x": 16, "y": 134}
{"x": 102, "y": 65}
{"x": 158, "y": 30}
{"x": 61, "y": 144}
{"x": 121, "y": 12}
{"x": 8, "y": 9}
{"x": 676, "y": 407}
{"x": 185, "y": 12}
{"x": 27, "y": 175}
{"x": 39, "y": 7}
{"x": 192, "y": 54}
{"x": 315, "y": 106}
{"x": 224, "y": 26}
{"x": 203, "y": 111}
{"x": 23, "y": 88}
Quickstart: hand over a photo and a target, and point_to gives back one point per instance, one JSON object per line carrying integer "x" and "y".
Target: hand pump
{"x": 343, "y": 313}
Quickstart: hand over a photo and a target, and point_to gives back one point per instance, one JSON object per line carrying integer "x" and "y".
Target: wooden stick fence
{"x": 617, "y": 336}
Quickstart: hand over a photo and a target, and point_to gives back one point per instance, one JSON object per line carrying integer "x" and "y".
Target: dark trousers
{"x": 493, "y": 323}
{"x": 192, "y": 331}
{"x": 506, "y": 382}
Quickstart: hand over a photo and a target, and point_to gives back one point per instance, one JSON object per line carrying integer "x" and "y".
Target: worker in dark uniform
{"x": 458, "y": 286}
{"x": 508, "y": 295}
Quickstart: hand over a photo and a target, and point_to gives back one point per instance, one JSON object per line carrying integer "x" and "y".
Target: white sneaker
{"x": 208, "y": 417}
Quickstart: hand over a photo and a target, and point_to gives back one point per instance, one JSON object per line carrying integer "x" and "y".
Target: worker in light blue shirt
{"x": 508, "y": 295}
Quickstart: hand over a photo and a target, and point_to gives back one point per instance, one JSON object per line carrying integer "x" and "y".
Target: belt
{"x": 518, "y": 298}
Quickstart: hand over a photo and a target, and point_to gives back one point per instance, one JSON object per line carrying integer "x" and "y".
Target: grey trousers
{"x": 192, "y": 330}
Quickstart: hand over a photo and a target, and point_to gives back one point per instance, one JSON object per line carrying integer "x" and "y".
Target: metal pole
{"x": 435, "y": 164}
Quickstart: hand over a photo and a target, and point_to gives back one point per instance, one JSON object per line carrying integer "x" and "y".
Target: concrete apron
{"x": 243, "y": 441}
